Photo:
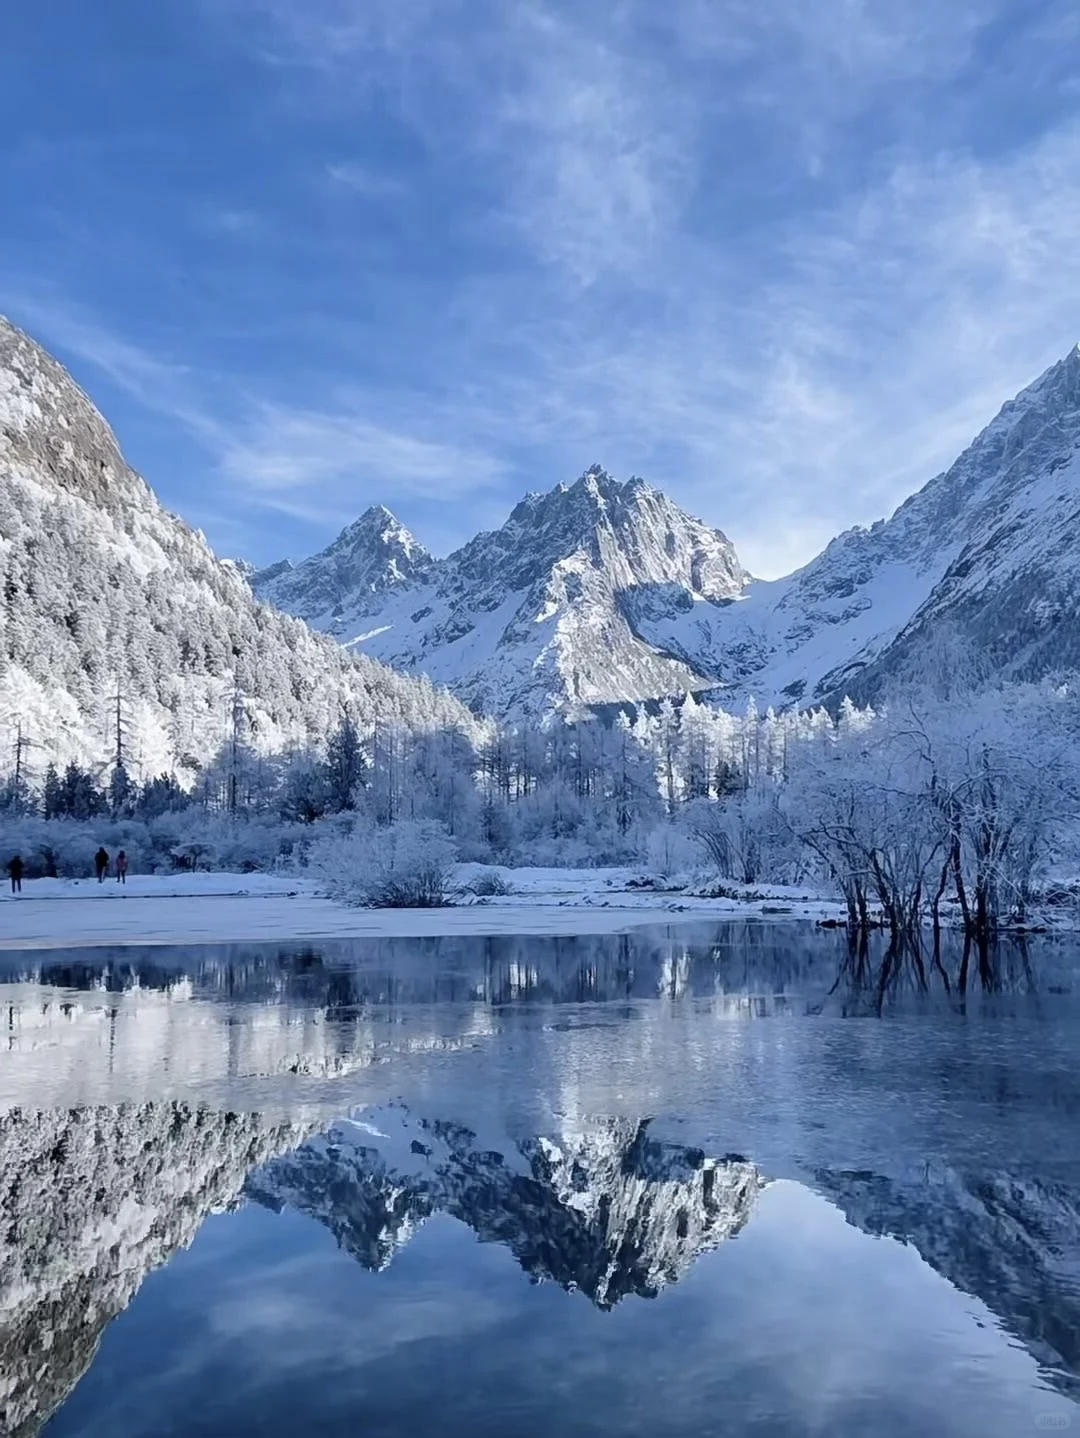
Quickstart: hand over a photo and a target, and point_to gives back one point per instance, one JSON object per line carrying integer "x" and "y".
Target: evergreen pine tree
{"x": 346, "y": 768}
{"x": 52, "y": 794}
{"x": 121, "y": 793}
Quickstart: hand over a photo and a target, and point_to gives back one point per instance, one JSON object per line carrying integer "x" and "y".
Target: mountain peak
{"x": 378, "y": 514}
{"x": 596, "y": 477}
{"x": 1057, "y": 388}
{"x": 373, "y": 554}
{"x": 378, "y": 526}
{"x": 600, "y": 483}
{"x": 540, "y": 614}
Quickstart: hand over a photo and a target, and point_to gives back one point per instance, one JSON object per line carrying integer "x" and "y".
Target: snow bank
{"x": 242, "y": 908}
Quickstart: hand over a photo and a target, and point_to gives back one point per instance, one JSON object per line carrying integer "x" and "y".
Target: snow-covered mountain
{"x": 373, "y": 554}
{"x": 93, "y": 1199}
{"x": 601, "y": 592}
{"x": 985, "y": 559}
{"x": 547, "y": 612}
{"x": 102, "y": 588}
{"x": 608, "y": 1211}
{"x": 1012, "y": 1242}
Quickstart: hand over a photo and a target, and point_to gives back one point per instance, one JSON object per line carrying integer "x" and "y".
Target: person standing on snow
{"x": 15, "y": 869}
{"x": 121, "y": 867}
{"x": 101, "y": 864}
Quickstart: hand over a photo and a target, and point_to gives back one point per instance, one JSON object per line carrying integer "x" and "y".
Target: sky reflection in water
{"x": 610, "y": 1119}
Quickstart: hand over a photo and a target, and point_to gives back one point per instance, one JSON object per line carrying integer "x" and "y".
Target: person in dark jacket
{"x": 101, "y": 864}
{"x": 121, "y": 867}
{"x": 15, "y": 869}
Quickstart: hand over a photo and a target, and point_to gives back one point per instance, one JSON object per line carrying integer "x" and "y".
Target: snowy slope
{"x": 599, "y": 593}
{"x": 102, "y": 588}
{"x": 541, "y": 614}
{"x": 985, "y": 556}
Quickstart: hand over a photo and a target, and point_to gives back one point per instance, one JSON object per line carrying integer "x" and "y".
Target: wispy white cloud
{"x": 362, "y": 180}
{"x": 889, "y": 333}
{"x": 318, "y": 465}
{"x": 597, "y": 153}
{"x": 224, "y": 219}
{"x": 825, "y": 380}
{"x": 588, "y": 146}
{"x": 770, "y": 254}
{"x": 814, "y": 388}
{"x": 283, "y": 453}
{"x": 164, "y": 385}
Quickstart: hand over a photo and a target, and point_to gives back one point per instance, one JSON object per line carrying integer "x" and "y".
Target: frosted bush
{"x": 672, "y": 850}
{"x": 487, "y": 882}
{"x": 408, "y": 865}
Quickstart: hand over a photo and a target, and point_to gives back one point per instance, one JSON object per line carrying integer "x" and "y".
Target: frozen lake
{"x": 699, "y": 1180}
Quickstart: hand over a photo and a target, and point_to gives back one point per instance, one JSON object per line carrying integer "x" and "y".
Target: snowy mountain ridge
{"x": 102, "y": 591}
{"x": 605, "y": 1210}
{"x": 545, "y": 612}
{"x": 373, "y": 554}
{"x": 606, "y": 593}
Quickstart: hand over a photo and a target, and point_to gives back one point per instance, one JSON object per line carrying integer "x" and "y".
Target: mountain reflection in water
{"x": 598, "y": 1110}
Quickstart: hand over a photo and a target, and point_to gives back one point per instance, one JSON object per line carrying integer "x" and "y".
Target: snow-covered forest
{"x": 148, "y": 701}
{"x": 958, "y": 801}
{"x": 107, "y": 600}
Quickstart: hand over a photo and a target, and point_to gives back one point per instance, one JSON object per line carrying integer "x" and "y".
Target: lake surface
{"x": 709, "y": 1179}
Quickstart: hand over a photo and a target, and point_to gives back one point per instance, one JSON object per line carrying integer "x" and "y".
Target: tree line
{"x": 956, "y": 804}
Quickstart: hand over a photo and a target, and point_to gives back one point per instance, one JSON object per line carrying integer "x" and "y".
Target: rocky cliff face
{"x": 608, "y": 1211}
{"x": 602, "y": 593}
{"x": 101, "y": 588}
{"x": 92, "y": 1200}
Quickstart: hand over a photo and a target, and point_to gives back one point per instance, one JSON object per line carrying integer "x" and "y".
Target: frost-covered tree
{"x": 407, "y": 865}
{"x": 52, "y": 794}
{"x": 121, "y": 792}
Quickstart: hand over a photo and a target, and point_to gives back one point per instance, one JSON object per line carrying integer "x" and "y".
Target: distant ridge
{"x": 600, "y": 592}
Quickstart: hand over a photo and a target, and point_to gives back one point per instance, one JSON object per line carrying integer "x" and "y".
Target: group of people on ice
{"x": 16, "y": 868}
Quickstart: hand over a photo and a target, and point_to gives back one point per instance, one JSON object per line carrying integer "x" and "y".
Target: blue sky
{"x": 783, "y": 259}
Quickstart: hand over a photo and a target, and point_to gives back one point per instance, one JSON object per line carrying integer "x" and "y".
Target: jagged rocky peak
{"x": 1058, "y": 386}
{"x": 537, "y": 616}
{"x": 374, "y": 553}
{"x": 377, "y": 549}
{"x": 628, "y": 529}
{"x": 51, "y": 429}
{"x": 608, "y": 1211}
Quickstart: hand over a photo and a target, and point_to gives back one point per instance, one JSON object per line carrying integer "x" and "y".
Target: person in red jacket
{"x": 121, "y": 867}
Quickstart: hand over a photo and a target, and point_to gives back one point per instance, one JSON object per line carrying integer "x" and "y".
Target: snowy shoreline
{"x": 255, "y": 908}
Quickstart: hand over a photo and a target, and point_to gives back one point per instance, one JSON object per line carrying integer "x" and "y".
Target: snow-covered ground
{"x": 238, "y": 908}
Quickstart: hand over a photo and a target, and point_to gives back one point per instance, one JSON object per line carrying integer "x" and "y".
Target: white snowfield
{"x": 241, "y": 908}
